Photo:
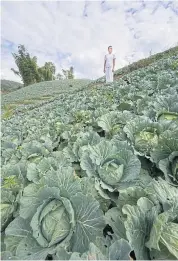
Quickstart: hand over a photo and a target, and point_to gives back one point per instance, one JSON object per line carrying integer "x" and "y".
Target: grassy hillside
{"x": 9, "y": 86}
{"x": 43, "y": 90}
{"x": 37, "y": 95}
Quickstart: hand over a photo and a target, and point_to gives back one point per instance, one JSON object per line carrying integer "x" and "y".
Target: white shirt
{"x": 109, "y": 59}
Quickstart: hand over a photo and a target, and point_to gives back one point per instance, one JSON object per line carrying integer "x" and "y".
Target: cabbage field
{"x": 49, "y": 89}
{"x": 93, "y": 175}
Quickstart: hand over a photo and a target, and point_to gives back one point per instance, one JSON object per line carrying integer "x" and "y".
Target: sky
{"x": 77, "y": 33}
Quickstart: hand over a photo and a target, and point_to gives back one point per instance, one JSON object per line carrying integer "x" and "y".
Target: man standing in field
{"x": 109, "y": 64}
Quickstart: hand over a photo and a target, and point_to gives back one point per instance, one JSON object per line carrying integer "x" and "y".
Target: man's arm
{"x": 104, "y": 63}
{"x": 114, "y": 59}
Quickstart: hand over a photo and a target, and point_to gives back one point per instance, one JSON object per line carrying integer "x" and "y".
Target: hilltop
{"x": 10, "y": 86}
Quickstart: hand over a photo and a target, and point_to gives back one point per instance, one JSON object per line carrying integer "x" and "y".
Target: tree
{"x": 68, "y": 74}
{"x": 59, "y": 76}
{"x": 16, "y": 72}
{"x": 47, "y": 71}
{"x": 28, "y": 69}
{"x": 30, "y": 72}
{"x": 71, "y": 73}
{"x": 65, "y": 72}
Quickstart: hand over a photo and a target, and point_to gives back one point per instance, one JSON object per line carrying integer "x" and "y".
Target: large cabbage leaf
{"x": 112, "y": 163}
{"x": 119, "y": 250}
{"x": 56, "y": 213}
{"x": 147, "y": 218}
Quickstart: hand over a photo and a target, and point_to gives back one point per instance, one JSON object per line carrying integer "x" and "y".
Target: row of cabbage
{"x": 94, "y": 175}
{"x": 49, "y": 89}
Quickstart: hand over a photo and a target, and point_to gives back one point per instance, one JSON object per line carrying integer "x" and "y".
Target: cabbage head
{"x": 54, "y": 213}
{"x": 112, "y": 163}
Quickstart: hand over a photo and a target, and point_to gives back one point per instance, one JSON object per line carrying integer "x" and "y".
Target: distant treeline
{"x": 30, "y": 72}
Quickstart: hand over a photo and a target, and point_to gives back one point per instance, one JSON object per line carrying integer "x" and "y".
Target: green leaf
{"x": 7, "y": 207}
{"x": 169, "y": 166}
{"x": 165, "y": 193}
{"x": 19, "y": 227}
{"x": 119, "y": 250}
{"x": 28, "y": 249}
{"x": 130, "y": 196}
{"x": 164, "y": 232}
{"x": 65, "y": 180}
{"x": 138, "y": 225}
{"x": 163, "y": 254}
{"x": 115, "y": 218}
{"x": 34, "y": 195}
{"x": 168, "y": 143}
{"x": 89, "y": 138}
{"x": 89, "y": 221}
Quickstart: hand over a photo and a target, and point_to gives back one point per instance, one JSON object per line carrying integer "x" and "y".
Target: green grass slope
{"x": 42, "y": 91}
{"x": 10, "y": 86}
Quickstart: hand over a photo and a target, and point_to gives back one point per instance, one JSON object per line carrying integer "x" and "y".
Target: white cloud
{"x": 50, "y": 28}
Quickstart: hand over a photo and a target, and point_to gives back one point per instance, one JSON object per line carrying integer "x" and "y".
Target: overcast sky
{"x": 77, "y": 33}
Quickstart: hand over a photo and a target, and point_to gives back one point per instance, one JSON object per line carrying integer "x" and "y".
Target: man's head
{"x": 110, "y": 49}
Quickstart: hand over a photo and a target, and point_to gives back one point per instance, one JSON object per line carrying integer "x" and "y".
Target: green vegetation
{"x": 31, "y": 73}
{"x": 44, "y": 89}
{"x": 8, "y": 111}
{"x": 66, "y": 74}
{"x": 147, "y": 61}
{"x": 28, "y": 69}
{"x": 92, "y": 174}
{"x": 10, "y": 86}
